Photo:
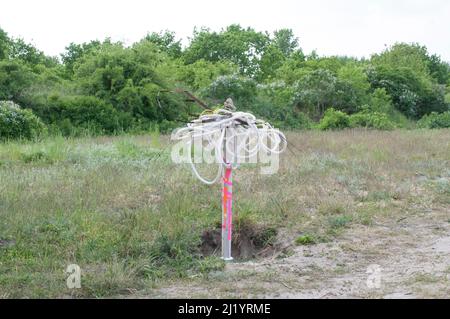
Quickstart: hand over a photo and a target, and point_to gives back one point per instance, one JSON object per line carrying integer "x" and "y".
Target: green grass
{"x": 306, "y": 239}
{"x": 341, "y": 221}
{"x": 132, "y": 220}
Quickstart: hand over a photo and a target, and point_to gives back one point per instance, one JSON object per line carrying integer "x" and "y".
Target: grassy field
{"x": 137, "y": 224}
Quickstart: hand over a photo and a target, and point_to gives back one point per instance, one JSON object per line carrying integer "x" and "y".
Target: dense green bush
{"x": 281, "y": 117}
{"x": 202, "y": 73}
{"x": 274, "y": 103}
{"x": 374, "y": 120}
{"x": 296, "y": 120}
{"x": 333, "y": 120}
{"x": 14, "y": 78}
{"x": 241, "y": 46}
{"x": 435, "y": 120}
{"x": 131, "y": 80}
{"x": 412, "y": 77}
{"x": 18, "y": 123}
{"x": 241, "y": 89}
{"x": 86, "y": 113}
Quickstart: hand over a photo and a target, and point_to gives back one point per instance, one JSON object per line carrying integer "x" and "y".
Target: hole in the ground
{"x": 249, "y": 241}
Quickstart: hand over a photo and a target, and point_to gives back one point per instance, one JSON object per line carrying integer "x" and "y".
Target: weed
{"x": 37, "y": 156}
{"x": 337, "y": 222}
{"x": 306, "y": 239}
{"x": 209, "y": 264}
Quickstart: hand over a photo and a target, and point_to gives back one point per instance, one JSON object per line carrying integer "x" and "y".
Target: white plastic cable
{"x": 213, "y": 128}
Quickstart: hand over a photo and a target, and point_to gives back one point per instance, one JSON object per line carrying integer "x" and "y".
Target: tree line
{"x": 106, "y": 87}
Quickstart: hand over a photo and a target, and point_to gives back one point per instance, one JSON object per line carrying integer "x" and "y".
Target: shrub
{"x": 306, "y": 239}
{"x": 297, "y": 120}
{"x": 77, "y": 113}
{"x": 376, "y": 120}
{"x": 241, "y": 89}
{"x": 435, "y": 120}
{"x": 274, "y": 102}
{"x": 333, "y": 120}
{"x": 341, "y": 221}
{"x": 18, "y": 123}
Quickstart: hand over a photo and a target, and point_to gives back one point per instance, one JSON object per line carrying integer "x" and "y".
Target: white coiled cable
{"x": 213, "y": 127}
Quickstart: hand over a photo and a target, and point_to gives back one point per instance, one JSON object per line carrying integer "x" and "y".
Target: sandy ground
{"x": 405, "y": 258}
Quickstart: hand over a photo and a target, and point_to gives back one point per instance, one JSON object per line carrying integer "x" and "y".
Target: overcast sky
{"x": 351, "y": 27}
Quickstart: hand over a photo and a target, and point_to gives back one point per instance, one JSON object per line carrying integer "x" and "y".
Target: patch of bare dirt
{"x": 249, "y": 241}
{"x": 408, "y": 258}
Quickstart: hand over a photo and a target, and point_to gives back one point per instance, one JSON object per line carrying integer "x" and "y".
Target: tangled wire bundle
{"x": 222, "y": 128}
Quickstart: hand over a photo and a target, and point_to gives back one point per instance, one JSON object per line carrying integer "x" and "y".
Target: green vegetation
{"x": 105, "y": 87}
{"x": 305, "y": 240}
{"x": 435, "y": 120}
{"x": 17, "y": 123}
{"x": 132, "y": 220}
{"x": 369, "y": 119}
{"x": 334, "y": 120}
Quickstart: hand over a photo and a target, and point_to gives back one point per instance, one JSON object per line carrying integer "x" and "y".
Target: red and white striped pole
{"x": 227, "y": 198}
{"x": 227, "y": 213}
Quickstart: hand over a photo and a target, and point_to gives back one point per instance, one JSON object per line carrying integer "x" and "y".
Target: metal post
{"x": 227, "y": 202}
{"x": 227, "y": 215}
